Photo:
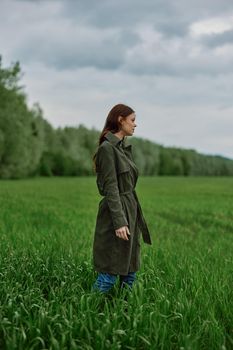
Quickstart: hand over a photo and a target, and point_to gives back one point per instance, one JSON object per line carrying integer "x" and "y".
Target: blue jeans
{"x": 105, "y": 281}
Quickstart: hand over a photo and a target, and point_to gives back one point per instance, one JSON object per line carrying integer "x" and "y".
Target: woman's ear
{"x": 120, "y": 118}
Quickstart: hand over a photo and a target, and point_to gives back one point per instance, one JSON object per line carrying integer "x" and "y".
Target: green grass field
{"x": 183, "y": 296}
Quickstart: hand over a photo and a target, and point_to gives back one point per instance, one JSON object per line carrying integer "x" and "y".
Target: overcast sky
{"x": 170, "y": 60}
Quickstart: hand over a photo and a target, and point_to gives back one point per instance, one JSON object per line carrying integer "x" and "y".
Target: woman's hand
{"x": 122, "y": 232}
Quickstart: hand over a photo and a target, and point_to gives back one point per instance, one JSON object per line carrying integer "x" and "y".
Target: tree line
{"x": 30, "y": 146}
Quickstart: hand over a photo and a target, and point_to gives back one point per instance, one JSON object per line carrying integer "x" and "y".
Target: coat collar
{"x": 115, "y": 140}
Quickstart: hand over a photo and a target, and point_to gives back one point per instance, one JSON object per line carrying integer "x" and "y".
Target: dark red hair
{"x": 112, "y": 124}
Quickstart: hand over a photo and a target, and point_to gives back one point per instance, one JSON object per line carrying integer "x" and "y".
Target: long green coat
{"x": 116, "y": 180}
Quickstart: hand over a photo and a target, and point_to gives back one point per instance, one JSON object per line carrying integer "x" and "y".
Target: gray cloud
{"x": 150, "y": 38}
{"x": 62, "y": 43}
{"x": 131, "y": 12}
{"x": 215, "y": 40}
{"x": 140, "y": 53}
{"x": 78, "y": 48}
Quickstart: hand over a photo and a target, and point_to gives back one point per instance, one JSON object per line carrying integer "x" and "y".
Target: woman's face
{"x": 128, "y": 124}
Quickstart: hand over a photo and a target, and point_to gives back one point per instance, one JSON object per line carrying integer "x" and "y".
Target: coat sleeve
{"x": 107, "y": 178}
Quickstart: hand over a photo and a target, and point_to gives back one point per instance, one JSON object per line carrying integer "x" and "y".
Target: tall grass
{"x": 182, "y": 298}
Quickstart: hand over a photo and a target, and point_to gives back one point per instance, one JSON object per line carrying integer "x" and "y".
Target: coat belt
{"x": 141, "y": 220}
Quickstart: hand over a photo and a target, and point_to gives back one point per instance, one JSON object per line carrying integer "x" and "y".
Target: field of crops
{"x": 183, "y": 295}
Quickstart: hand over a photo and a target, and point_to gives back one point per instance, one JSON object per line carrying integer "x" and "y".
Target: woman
{"x": 116, "y": 246}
